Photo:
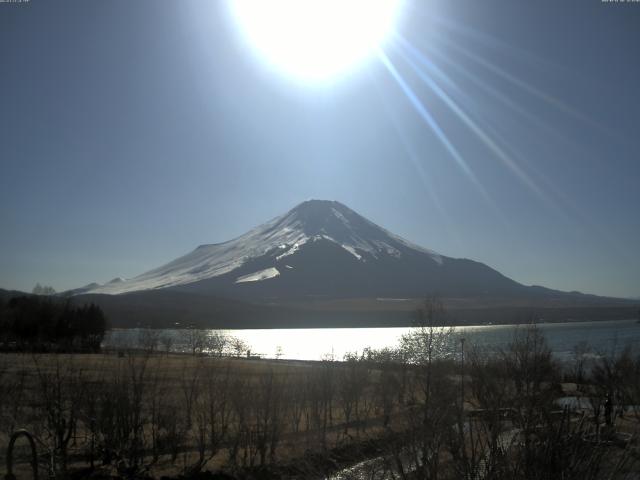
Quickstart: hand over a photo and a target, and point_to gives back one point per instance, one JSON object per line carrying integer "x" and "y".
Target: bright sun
{"x": 314, "y": 40}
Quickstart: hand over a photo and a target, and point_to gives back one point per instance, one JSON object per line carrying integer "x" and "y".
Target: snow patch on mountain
{"x": 352, "y": 251}
{"x": 265, "y": 274}
{"x": 338, "y": 215}
{"x": 291, "y": 249}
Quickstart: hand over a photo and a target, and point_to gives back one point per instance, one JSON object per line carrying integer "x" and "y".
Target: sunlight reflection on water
{"x": 334, "y": 343}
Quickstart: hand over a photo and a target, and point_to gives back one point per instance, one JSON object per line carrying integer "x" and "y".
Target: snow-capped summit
{"x": 318, "y": 248}
{"x": 336, "y": 222}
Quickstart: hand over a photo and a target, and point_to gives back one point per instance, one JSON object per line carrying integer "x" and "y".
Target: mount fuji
{"x": 318, "y": 249}
{"x": 321, "y": 264}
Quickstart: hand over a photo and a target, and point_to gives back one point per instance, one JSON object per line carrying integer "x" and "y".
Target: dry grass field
{"x": 175, "y": 413}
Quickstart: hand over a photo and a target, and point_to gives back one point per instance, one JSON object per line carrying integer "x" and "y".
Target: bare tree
{"x": 60, "y": 392}
{"x": 195, "y": 340}
{"x": 216, "y": 343}
{"x": 212, "y": 412}
{"x": 352, "y": 379}
{"x": 428, "y": 425}
{"x": 190, "y": 387}
{"x": 121, "y": 414}
{"x": 268, "y": 415}
{"x": 13, "y": 393}
{"x": 297, "y": 397}
{"x": 239, "y": 433}
{"x": 238, "y": 346}
{"x": 580, "y": 353}
{"x": 158, "y": 391}
{"x": 530, "y": 366}
{"x": 148, "y": 340}
{"x": 167, "y": 340}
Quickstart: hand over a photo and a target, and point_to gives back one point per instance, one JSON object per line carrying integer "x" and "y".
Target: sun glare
{"x": 315, "y": 40}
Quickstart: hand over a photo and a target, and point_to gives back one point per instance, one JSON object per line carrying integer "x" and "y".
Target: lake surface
{"x": 322, "y": 343}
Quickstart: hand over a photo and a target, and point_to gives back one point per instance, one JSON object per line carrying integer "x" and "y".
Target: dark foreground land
{"x": 405, "y": 413}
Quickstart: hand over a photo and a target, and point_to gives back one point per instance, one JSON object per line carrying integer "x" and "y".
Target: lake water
{"x": 321, "y": 343}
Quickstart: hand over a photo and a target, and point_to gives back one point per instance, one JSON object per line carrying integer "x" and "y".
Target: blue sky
{"x": 133, "y": 131}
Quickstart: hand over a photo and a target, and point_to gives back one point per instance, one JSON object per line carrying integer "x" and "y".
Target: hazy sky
{"x": 133, "y": 131}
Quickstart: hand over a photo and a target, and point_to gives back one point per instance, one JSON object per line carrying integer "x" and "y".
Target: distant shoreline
{"x": 364, "y": 327}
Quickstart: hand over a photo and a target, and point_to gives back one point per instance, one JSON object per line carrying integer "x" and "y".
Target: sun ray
{"x": 484, "y": 137}
{"x": 415, "y": 160}
{"x": 431, "y": 122}
{"x": 497, "y": 44}
{"x": 544, "y": 189}
{"x": 496, "y": 94}
{"x": 527, "y": 87}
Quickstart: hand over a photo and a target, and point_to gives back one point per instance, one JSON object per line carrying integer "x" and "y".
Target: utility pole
{"x": 462, "y": 373}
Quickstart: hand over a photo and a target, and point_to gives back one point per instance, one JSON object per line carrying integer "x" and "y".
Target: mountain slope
{"x": 320, "y": 248}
